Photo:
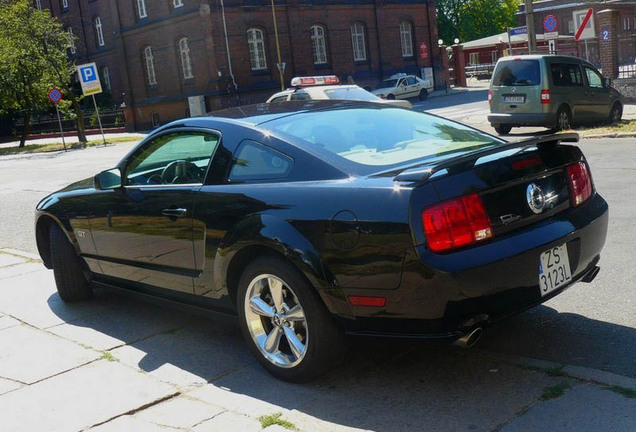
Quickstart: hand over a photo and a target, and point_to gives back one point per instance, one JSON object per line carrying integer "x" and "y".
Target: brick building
{"x": 155, "y": 54}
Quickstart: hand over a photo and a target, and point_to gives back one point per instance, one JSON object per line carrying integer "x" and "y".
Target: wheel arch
{"x": 42, "y": 237}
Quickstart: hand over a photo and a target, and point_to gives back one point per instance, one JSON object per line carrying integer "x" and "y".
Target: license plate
{"x": 554, "y": 269}
{"x": 514, "y": 99}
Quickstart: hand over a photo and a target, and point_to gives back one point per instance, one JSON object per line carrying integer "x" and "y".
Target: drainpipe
{"x": 227, "y": 49}
{"x": 377, "y": 34}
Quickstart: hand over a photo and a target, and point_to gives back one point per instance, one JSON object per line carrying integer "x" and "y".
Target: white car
{"x": 328, "y": 87}
{"x": 404, "y": 87}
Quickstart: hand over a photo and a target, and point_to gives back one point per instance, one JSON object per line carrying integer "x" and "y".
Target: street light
{"x": 456, "y": 41}
{"x": 440, "y": 42}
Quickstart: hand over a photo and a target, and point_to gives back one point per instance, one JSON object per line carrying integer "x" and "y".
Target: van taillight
{"x": 456, "y": 223}
{"x": 489, "y": 96}
{"x": 580, "y": 182}
{"x": 545, "y": 96}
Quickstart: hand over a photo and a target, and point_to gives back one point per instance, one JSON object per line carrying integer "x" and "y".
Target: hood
{"x": 383, "y": 90}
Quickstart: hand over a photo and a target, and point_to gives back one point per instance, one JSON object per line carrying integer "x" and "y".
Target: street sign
{"x": 584, "y": 23}
{"x": 605, "y": 34}
{"x": 282, "y": 69}
{"x": 550, "y": 24}
{"x": 519, "y": 31}
{"x": 423, "y": 50}
{"x": 55, "y": 95}
{"x": 89, "y": 79}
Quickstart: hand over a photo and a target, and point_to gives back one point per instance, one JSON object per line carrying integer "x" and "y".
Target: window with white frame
{"x": 64, "y": 4}
{"x": 106, "y": 76}
{"x": 626, "y": 23}
{"x": 38, "y": 4}
{"x": 571, "y": 27}
{"x": 177, "y": 3}
{"x": 473, "y": 58}
{"x": 494, "y": 55}
{"x": 99, "y": 32}
{"x": 186, "y": 61}
{"x": 318, "y": 44}
{"x": 358, "y": 42}
{"x": 406, "y": 38}
{"x": 256, "y": 43}
{"x": 71, "y": 37}
{"x": 141, "y": 9}
{"x": 149, "y": 59}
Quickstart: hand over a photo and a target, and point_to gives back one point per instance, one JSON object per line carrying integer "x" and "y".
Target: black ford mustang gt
{"x": 313, "y": 219}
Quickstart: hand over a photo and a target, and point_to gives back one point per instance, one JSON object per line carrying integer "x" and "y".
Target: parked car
{"x": 551, "y": 91}
{"x": 328, "y": 88}
{"x": 402, "y": 86}
{"x": 306, "y": 220}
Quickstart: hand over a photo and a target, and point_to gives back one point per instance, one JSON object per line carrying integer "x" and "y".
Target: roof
{"x": 503, "y": 38}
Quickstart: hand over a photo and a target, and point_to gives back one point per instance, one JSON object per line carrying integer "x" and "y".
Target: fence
{"x": 627, "y": 71}
{"x": 48, "y": 123}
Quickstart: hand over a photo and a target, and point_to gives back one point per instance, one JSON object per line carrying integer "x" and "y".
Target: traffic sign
{"x": 550, "y": 24}
{"x": 605, "y": 34}
{"x": 519, "y": 31}
{"x": 423, "y": 50}
{"x": 55, "y": 95}
{"x": 89, "y": 79}
{"x": 584, "y": 19}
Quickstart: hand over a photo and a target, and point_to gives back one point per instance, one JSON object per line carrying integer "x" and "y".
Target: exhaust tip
{"x": 589, "y": 277}
{"x": 470, "y": 338}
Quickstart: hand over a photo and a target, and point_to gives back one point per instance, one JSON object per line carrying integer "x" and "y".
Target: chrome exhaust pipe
{"x": 470, "y": 338}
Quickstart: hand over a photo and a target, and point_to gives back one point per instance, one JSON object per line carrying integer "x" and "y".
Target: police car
{"x": 328, "y": 87}
{"x": 402, "y": 86}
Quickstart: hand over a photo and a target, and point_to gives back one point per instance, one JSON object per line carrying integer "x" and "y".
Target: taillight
{"x": 545, "y": 96}
{"x": 489, "y": 96}
{"x": 456, "y": 223}
{"x": 580, "y": 182}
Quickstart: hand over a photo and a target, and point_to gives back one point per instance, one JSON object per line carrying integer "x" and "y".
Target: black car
{"x": 309, "y": 220}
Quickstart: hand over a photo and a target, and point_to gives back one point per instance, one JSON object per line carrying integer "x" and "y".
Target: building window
{"x": 626, "y": 23}
{"x": 156, "y": 120}
{"x": 64, "y": 4}
{"x": 71, "y": 38}
{"x": 186, "y": 61}
{"x": 494, "y": 55}
{"x": 177, "y": 3}
{"x": 358, "y": 42}
{"x": 406, "y": 38}
{"x": 318, "y": 44}
{"x": 473, "y": 58}
{"x": 141, "y": 9}
{"x": 149, "y": 59}
{"x": 256, "y": 43}
{"x": 99, "y": 32}
{"x": 38, "y": 4}
{"x": 571, "y": 27}
{"x": 106, "y": 76}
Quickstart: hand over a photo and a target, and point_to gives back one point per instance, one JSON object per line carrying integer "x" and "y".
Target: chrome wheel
{"x": 276, "y": 321}
{"x": 564, "y": 120}
{"x": 616, "y": 114}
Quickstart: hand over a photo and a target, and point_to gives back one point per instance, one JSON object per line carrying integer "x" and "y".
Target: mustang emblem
{"x": 535, "y": 197}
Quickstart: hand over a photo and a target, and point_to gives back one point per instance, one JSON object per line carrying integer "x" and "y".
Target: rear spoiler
{"x": 424, "y": 172}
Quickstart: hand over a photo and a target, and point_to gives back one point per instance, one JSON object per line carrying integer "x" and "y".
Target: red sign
{"x": 55, "y": 95}
{"x": 423, "y": 50}
{"x": 588, "y": 15}
{"x": 550, "y": 24}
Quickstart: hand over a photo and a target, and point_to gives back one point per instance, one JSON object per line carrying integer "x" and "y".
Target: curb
{"x": 610, "y": 135}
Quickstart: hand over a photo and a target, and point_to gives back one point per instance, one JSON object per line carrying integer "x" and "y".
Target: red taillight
{"x": 367, "y": 301}
{"x": 525, "y": 163}
{"x": 489, "y": 96}
{"x": 580, "y": 182}
{"x": 456, "y": 223}
{"x": 545, "y": 97}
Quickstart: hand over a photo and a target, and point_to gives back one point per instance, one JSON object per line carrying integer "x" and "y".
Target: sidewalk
{"x": 117, "y": 363}
{"x": 73, "y": 139}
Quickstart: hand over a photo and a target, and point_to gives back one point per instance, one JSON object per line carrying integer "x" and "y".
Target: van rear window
{"x": 517, "y": 73}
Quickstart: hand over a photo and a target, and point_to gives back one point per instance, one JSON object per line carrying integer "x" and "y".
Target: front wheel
{"x": 71, "y": 283}
{"x": 503, "y": 129}
{"x": 423, "y": 94}
{"x": 564, "y": 119}
{"x": 616, "y": 113}
{"x": 391, "y": 97}
{"x": 284, "y": 322}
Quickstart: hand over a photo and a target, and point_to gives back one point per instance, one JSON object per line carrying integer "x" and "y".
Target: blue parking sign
{"x": 88, "y": 73}
{"x": 89, "y": 79}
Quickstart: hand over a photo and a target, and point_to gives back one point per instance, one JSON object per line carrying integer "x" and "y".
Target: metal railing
{"x": 627, "y": 71}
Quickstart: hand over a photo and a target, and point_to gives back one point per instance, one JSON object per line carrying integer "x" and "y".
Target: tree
{"x": 33, "y": 59}
{"x": 474, "y": 19}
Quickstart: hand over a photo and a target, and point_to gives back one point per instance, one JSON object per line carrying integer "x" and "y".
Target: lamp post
{"x": 280, "y": 64}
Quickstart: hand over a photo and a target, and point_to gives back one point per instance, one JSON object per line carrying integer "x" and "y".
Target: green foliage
{"x": 555, "y": 391}
{"x": 275, "y": 419}
{"x": 474, "y": 19}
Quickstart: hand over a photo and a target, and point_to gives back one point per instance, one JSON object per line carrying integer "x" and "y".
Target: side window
{"x": 254, "y": 161}
{"x": 279, "y": 99}
{"x": 566, "y": 74}
{"x": 593, "y": 78}
{"x": 178, "y": 158}
{"x": 411, "y": 81}
{"x": 300, "y": 95}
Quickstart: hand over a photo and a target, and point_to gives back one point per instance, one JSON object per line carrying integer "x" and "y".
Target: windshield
{"x": 380, "y": 137}
{"x": 389, "y": 83}
{"x": 351, "y": 93}
{"x": 517, "y": 73}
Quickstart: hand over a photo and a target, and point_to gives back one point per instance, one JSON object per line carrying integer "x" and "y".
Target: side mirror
{"x": 607, "y": 82}
{"x": 110, "y": 179}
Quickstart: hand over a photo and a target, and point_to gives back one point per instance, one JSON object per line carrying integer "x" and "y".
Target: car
{"x": 328, "y": 88}
{"x": 402, "y": 86}
{"x": 309, "y": 220}
{"x": 550, "y": 91}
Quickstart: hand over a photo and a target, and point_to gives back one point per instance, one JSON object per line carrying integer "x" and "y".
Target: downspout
{"x": 377, "y": 34}
{"x": 81, "y": 14}
{"x": 227, "y": 49}
{"x": 430, "y": 43}
{"x": 128, "y": 87}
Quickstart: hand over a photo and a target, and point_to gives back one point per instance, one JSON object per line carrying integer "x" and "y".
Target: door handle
{"x": 174, "y": 212}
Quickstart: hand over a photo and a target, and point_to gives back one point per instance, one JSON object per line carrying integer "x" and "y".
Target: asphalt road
{"x": 591, "y": 325}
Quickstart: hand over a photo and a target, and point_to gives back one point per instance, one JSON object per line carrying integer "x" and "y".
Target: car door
{"x": 412, "y": 87}
{"x": 143, "y": 231}
{"x": 598, "y": 95}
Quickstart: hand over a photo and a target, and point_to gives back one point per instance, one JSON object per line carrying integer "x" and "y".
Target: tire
{"x": 423, "y": 94}
{"x": 390, "y": 96}
{"x": 71, "y": 283}
{"x": 503, "y": 129}
{"x": 616, "y": 113}
{"x": 563, "y": 119}
{"x": 317, "y": 340}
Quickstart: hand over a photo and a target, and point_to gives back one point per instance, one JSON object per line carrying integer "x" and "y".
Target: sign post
{"x": 585, "y": 21}
{"x": 55, "y": 96}
{"x": 89, "y": 79}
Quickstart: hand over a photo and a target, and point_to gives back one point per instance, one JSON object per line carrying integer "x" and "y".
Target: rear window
{"x": 379, "y": 137}
{"x": 517, "y": 73}
{"x": 351, "y": 93}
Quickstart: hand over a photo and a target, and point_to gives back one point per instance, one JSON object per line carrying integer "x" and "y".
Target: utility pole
{"x": 532, "y": 36}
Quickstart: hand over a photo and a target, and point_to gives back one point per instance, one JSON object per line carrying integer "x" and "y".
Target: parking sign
{"x": 89, "y": 79}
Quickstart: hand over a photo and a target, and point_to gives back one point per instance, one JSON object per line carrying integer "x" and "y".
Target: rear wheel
{"x": 390, "y": 96}
{"x": 616, "y": 113}
{"x": 503, "y": 129}
{"x": 69, "y": 278}
{"x": 564, "y": 119}
{"x": 284, "y": 322}
{"x": 423, "y": 94}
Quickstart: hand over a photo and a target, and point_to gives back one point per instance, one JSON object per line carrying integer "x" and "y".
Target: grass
{"x": 552, "y": 371}
{"x": 51, "y": 147}
{"x": 555, "y": 391}
{"x": 624, "y": 126}
{"x": 275, "y": 419}
{"x": 628, "y": 393}
{"x": 108, "y": 356}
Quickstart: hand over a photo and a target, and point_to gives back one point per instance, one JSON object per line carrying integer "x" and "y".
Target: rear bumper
{"x": 442, "y": 295}
{"x": 523, "y": 119}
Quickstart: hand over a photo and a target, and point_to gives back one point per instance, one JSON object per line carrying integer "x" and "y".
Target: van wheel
{"x": 423, "y": 94}
{"x": 564, "y": 119}
{"x": 616, "y": 113}
{"x": 71, "y": 283}
{"x": 390, "y": 96}
{"x": 503, "y": 129}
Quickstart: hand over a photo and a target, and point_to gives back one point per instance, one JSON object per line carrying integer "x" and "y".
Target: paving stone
{"x": 13, "y": 271}
{"x": 9, "y": 260}
{"x": 582, "y": 409}
{"x": 80, "y": 398}
{"x": 180, "y": 412}
{"x": 7, "y": 385}
{"x": 29, "y": 355}
{"x": 130, "y": 423}
{"x": 230, "y": 422}
{"x": 275, "y": 428}
{"x": 6, "y": 322}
